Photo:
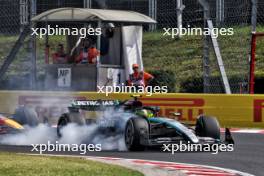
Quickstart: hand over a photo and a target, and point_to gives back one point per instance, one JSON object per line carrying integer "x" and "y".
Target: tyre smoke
{"x": 40, "y": 134}
{"x": 76, "y": 134}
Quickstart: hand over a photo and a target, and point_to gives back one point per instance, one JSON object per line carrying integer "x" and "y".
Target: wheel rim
{"x": 129, "y": 136}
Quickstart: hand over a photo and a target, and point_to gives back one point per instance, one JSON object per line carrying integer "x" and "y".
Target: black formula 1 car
{"x": 140, "y": 124}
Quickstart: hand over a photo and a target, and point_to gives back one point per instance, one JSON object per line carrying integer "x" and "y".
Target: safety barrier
{"x": 231, "y": 110}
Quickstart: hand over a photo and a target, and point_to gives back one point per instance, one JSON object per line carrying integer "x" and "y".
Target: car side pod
{"x": 228, "y": 137}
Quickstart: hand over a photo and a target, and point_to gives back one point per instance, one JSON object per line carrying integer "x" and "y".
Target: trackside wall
{"x": 231, "y": 110}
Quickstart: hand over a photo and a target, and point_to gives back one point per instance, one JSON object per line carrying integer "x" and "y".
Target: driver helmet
{"x": 145, "y": 113}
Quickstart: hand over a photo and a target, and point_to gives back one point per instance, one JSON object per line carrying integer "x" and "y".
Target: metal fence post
{"x": 33, "y": 12}
{"x": 254, "y": 15}
{"x": 87, "y": 3}
{"x": 24, "y": 14}
{"x": 219, "y": 58}
{"x": 153, "y": 13}
{"x": 206, "y": 60}
{"x": 220, "y": 12}
{"x": 90, "y": 4}
{"x": 179, "y": 10}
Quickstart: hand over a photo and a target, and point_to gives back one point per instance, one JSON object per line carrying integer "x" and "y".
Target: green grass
{"x": 184, "y": 56}
{"x": 24, "y": 165}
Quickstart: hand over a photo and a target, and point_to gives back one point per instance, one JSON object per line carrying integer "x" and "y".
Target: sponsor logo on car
{"x": 93, "y": 103}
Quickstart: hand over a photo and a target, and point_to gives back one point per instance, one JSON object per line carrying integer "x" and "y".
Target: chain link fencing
{"x": 182, "y": 57}
{"x": 235, "y": 49}
{"x": 10, "y": 28}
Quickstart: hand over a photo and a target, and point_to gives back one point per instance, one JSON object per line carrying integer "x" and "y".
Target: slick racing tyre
{"x": 207, "y": 127}
{"x": 67, "y": 118}
{"x": 133, "y": 134}
{"x": 26, "y": 116}
{"x": 64, "y": 120}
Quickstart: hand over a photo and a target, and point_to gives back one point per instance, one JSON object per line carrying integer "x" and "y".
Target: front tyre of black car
{"x": 132, "y": 133}
{"x": 64, "y": 120}
{"x": 207, "y": 126}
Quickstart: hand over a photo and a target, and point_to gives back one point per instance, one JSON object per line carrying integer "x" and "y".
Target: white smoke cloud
{"x": 91, "y": 134}
{"x": 31, "y": 135}
{"x": 75, "y": 134}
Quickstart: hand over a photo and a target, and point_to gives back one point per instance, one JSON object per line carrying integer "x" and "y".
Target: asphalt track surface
{"x": 248, "y": 155}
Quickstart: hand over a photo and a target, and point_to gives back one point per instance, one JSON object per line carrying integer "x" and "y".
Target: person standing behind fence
{"x": 60, "y": 57}
{"x": 88, "y": 55}
{"x": 139, "y": 78}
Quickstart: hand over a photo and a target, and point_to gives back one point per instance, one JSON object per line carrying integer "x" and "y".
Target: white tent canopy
{"x": 86, "y": 15}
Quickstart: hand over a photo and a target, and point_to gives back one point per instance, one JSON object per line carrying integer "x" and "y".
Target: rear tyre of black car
{"x": 207, "y": 126}
{"x": 26, "y": 116}
{"x": 133, "y": 130}
{"x": 64, "y": 120}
